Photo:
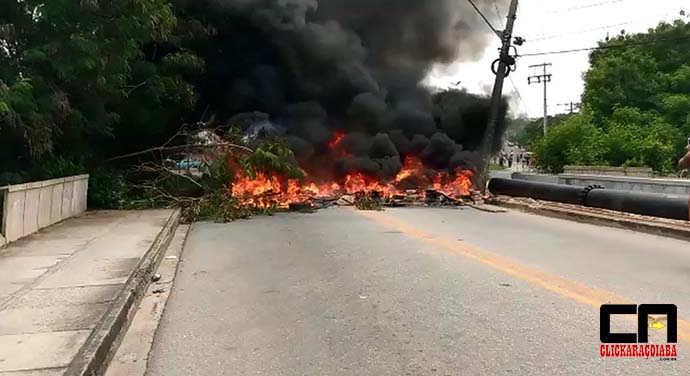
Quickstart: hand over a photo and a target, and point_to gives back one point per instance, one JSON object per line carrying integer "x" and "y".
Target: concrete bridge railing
{"x": 640, "y": 172}
{"x": 30, "y": 207}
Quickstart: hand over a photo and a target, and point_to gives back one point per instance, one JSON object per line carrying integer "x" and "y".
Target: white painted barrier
{"x": 30, "y": 207}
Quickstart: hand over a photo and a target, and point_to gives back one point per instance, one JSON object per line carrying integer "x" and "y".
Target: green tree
{"x": 75, "y": 75}
{"x": 575, "y": 141}
{"x": 533, "y": 130}
{"x": 627, "y": 77}
{"x": 636, "y": 104}
{"x": 638, "y": 138}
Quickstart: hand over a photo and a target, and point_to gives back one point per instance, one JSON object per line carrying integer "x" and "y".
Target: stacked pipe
{"x": 643, "y": 203}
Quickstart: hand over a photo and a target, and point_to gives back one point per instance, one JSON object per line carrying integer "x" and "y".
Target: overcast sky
{"x": 552, "y": 25}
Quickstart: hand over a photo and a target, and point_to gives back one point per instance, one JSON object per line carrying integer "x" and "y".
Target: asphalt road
{"x": 414, "y": 292}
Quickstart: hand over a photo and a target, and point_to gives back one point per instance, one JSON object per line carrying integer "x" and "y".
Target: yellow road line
{"x": 569, "y": 289}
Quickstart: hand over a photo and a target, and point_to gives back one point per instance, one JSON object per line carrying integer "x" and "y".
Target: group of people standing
{"x": 522, "y": 159}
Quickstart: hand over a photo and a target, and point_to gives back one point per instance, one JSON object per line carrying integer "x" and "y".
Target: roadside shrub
{"x": 576, "y": 141}
{"x": 108, "y": 189}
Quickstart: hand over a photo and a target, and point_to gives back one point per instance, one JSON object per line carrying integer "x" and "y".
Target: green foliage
{"x": 218, "y": 175}
{"x": 576, "y": 141}
{"x": 217, "y": 206}
{"x": 532, "y": 131}
{"x": 108, "y": 189}
{"x": 636, "y": 105}
{"x": 55, "y": 167}
{"x": 630, "y": 138}
{"x": 209, "y": 197}
{"x": 183, "y": 62}
{"x": 75, "y": 75}
{"x": 636, "y": 138}
{"x": 530, "y": 134}
{"x": 629, "y": 78}
{"x": 44, "y": 168}
{"x": 275, "y": 157}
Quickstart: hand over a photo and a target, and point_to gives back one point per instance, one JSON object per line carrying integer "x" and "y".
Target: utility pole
{"x": 573, "y": 106}
{"x": 505, "y": 61}
{"x": 538, "y": 79}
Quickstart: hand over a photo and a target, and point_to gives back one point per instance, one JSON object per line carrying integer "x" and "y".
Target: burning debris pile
{"x": 340, "y": 84}
{"x": 230, "y": 179}
{"x": 414, "y": 184}
{"x": 428, "y": 188}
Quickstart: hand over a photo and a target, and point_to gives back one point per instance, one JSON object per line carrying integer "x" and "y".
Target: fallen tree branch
{"x": 158, "y": 168}
{"x": 179, "y": 148}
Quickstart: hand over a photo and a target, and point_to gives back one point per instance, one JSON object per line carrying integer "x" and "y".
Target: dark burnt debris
{"x": 375, "y": 200}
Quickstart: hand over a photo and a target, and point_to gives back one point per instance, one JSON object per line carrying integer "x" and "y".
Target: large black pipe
{"x": 651, "y": 204}
{"x": 568, "y": 194}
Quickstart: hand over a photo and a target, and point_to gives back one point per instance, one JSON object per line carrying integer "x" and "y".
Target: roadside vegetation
{"x": 635, "y": 109}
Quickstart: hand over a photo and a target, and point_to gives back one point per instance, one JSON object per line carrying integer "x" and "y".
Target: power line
{"x": 498, "y": 13}
{"x": 586, "y": 6}
{"x": 606, "y": 47}
{"x": 524, "y": 103}
{"x": 534, "y": 39}
{"x": 583, "y": 31}
{"x": 485, "y": 19}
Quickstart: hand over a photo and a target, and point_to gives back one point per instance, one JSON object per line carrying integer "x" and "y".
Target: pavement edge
{"x": 94, "y": 356}
{"x": 598, "y": 219}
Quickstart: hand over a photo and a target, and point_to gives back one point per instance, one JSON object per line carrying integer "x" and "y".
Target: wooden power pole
{"x": 504, "y": 65}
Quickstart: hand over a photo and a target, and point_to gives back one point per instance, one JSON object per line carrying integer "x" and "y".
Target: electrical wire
{"x": 535, "y": 39}
{"x": 519, "y": 95}
{"x": 586, "y": 6}
{"x": 498, "y": 13}
{"x": 484, "y": 18}
{"x": 607, "y": 47}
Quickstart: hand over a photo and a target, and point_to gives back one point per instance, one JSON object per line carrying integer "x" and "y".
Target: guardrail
{"x": 30, "y": 207}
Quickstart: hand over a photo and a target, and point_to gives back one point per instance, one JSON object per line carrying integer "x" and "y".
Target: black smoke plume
{"x": 317, "y": 67}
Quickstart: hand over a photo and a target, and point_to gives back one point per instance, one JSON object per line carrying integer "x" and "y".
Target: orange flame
{"x": 272, "y": 191}
{"x": 336, "y": 140}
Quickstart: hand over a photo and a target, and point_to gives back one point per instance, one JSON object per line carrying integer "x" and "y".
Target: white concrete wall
{"x": 32, "y": 206}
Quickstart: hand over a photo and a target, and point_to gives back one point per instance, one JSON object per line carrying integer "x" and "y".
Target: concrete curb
{"x": 95, "y": 355}
{"x": 663, "y": 229}
{"x": 134, "y": 353}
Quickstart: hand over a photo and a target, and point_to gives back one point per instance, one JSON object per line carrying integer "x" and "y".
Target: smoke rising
{"x": 315, "y": 67}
